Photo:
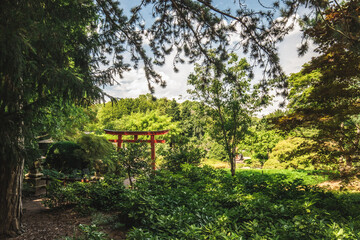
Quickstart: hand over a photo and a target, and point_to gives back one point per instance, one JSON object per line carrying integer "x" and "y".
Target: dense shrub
{"x": 65, "y": 157}
{"x": 209, "y": 204}
{"x": 100, "y": 153}
{"x": 103, "y": 195}
{"x": 182, "y": 155}
{"x": 88, "y": 232}
{"x": 282, "y": 155}
{"x": 216, "y": 151}
{"x": 203, "y": 203}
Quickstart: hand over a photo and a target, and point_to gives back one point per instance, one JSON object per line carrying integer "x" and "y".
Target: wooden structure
{"x": 136, "y": 134}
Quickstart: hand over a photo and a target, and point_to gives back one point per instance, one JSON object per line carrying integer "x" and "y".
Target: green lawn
{"x": 310, "y": 177}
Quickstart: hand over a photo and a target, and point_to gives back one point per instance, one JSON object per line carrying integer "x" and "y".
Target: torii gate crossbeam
{"x": 152, "y": 140}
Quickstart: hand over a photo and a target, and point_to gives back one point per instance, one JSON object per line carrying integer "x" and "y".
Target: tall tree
{"x": 45, "y": 51}
{"x": 230, "y": 100}
{"x": 325, "y": 94}
{"x": 331, "y": 111}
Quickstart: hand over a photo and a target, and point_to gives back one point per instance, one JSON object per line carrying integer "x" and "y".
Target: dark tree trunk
{"x": 11, "y": 176}
{"x": 233, "y": 166}
{"x": 233, "y": 160}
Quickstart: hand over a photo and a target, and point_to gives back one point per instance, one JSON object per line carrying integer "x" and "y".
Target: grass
{"x": 310, "y": 177}
{"x": 214, "y": 163}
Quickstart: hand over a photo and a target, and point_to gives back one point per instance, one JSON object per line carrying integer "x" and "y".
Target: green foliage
{"x": 134, "y": 158}
{"x": 282, "y": 157}
{"x": 151, "y": 121}
{"x": 57, "y": 51}
{"x": 125, "y": 106}
{"x": 99, "y": 218}
{"x": 336, "y": 35}
{"x": 88, "y": 232}
{"x": 309, "y": 177}
{"x": 148, "y": 121}
{"x": 176, "y": 157}
{"x": 61, "y": 121}
{"x": 109, "y": 115}
{"x": 173, "y": 110}
{"x": 216, "y": 151}
{"x": 229, "y": 99}
{"x": 66, "y": 157}
{"x": 324, "y": 94}
{"x": 187, "y": 121}
{"x": 102, "y": 195}
{"x": 203, "y": 203}
{"x": 99, "y": 152}
{"x": 55, "y": 174}
{"x": 211, "y": 148}
{"x": 260, "y": 141}
{"x": 328, "y": 108}
{"x": 208, "y": 204}
{"x": 194, "y": 121}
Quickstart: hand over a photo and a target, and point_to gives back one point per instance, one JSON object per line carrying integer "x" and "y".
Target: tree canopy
{"x": 230, "y": 101}
{"x": 324, "y": 95}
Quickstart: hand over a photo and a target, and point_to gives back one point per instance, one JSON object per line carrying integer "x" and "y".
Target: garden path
{"x": 41, "y": 223}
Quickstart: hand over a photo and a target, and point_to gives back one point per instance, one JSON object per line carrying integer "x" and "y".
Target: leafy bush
{"x": 216, "y": 151}
{"x": 209, "y": 204}
{"x": 53, "y": 173}
{"x": 65, "y": 157}
{"x": 204, "y": 203}
{"x": 181, "y": 155}
{"x": 100, "y": 153}
{"x": 103, "y": 195}
{"x": 281, "y": 156}
{"x": 88, "y": 232}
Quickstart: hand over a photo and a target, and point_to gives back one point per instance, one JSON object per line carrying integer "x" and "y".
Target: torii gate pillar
{"x": 152, "y": 140}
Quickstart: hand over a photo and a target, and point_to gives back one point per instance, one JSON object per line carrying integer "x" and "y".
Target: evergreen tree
{"x": 45, "y": 56}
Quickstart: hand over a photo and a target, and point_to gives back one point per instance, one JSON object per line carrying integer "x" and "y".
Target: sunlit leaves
{"x": 229, "y": 99}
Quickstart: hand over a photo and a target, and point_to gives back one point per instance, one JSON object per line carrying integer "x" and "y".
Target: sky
{"x": 134, "y": 82}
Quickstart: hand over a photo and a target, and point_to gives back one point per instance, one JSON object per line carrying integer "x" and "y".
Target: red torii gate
{"x": 152, "y": 140}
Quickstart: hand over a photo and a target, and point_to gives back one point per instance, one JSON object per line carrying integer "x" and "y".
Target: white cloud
{"x": 289, "y": 58}
{"x": 134, "y": 82}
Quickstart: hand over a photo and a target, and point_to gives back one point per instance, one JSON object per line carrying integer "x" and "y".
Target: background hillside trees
{"x": 260, "y": 140}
